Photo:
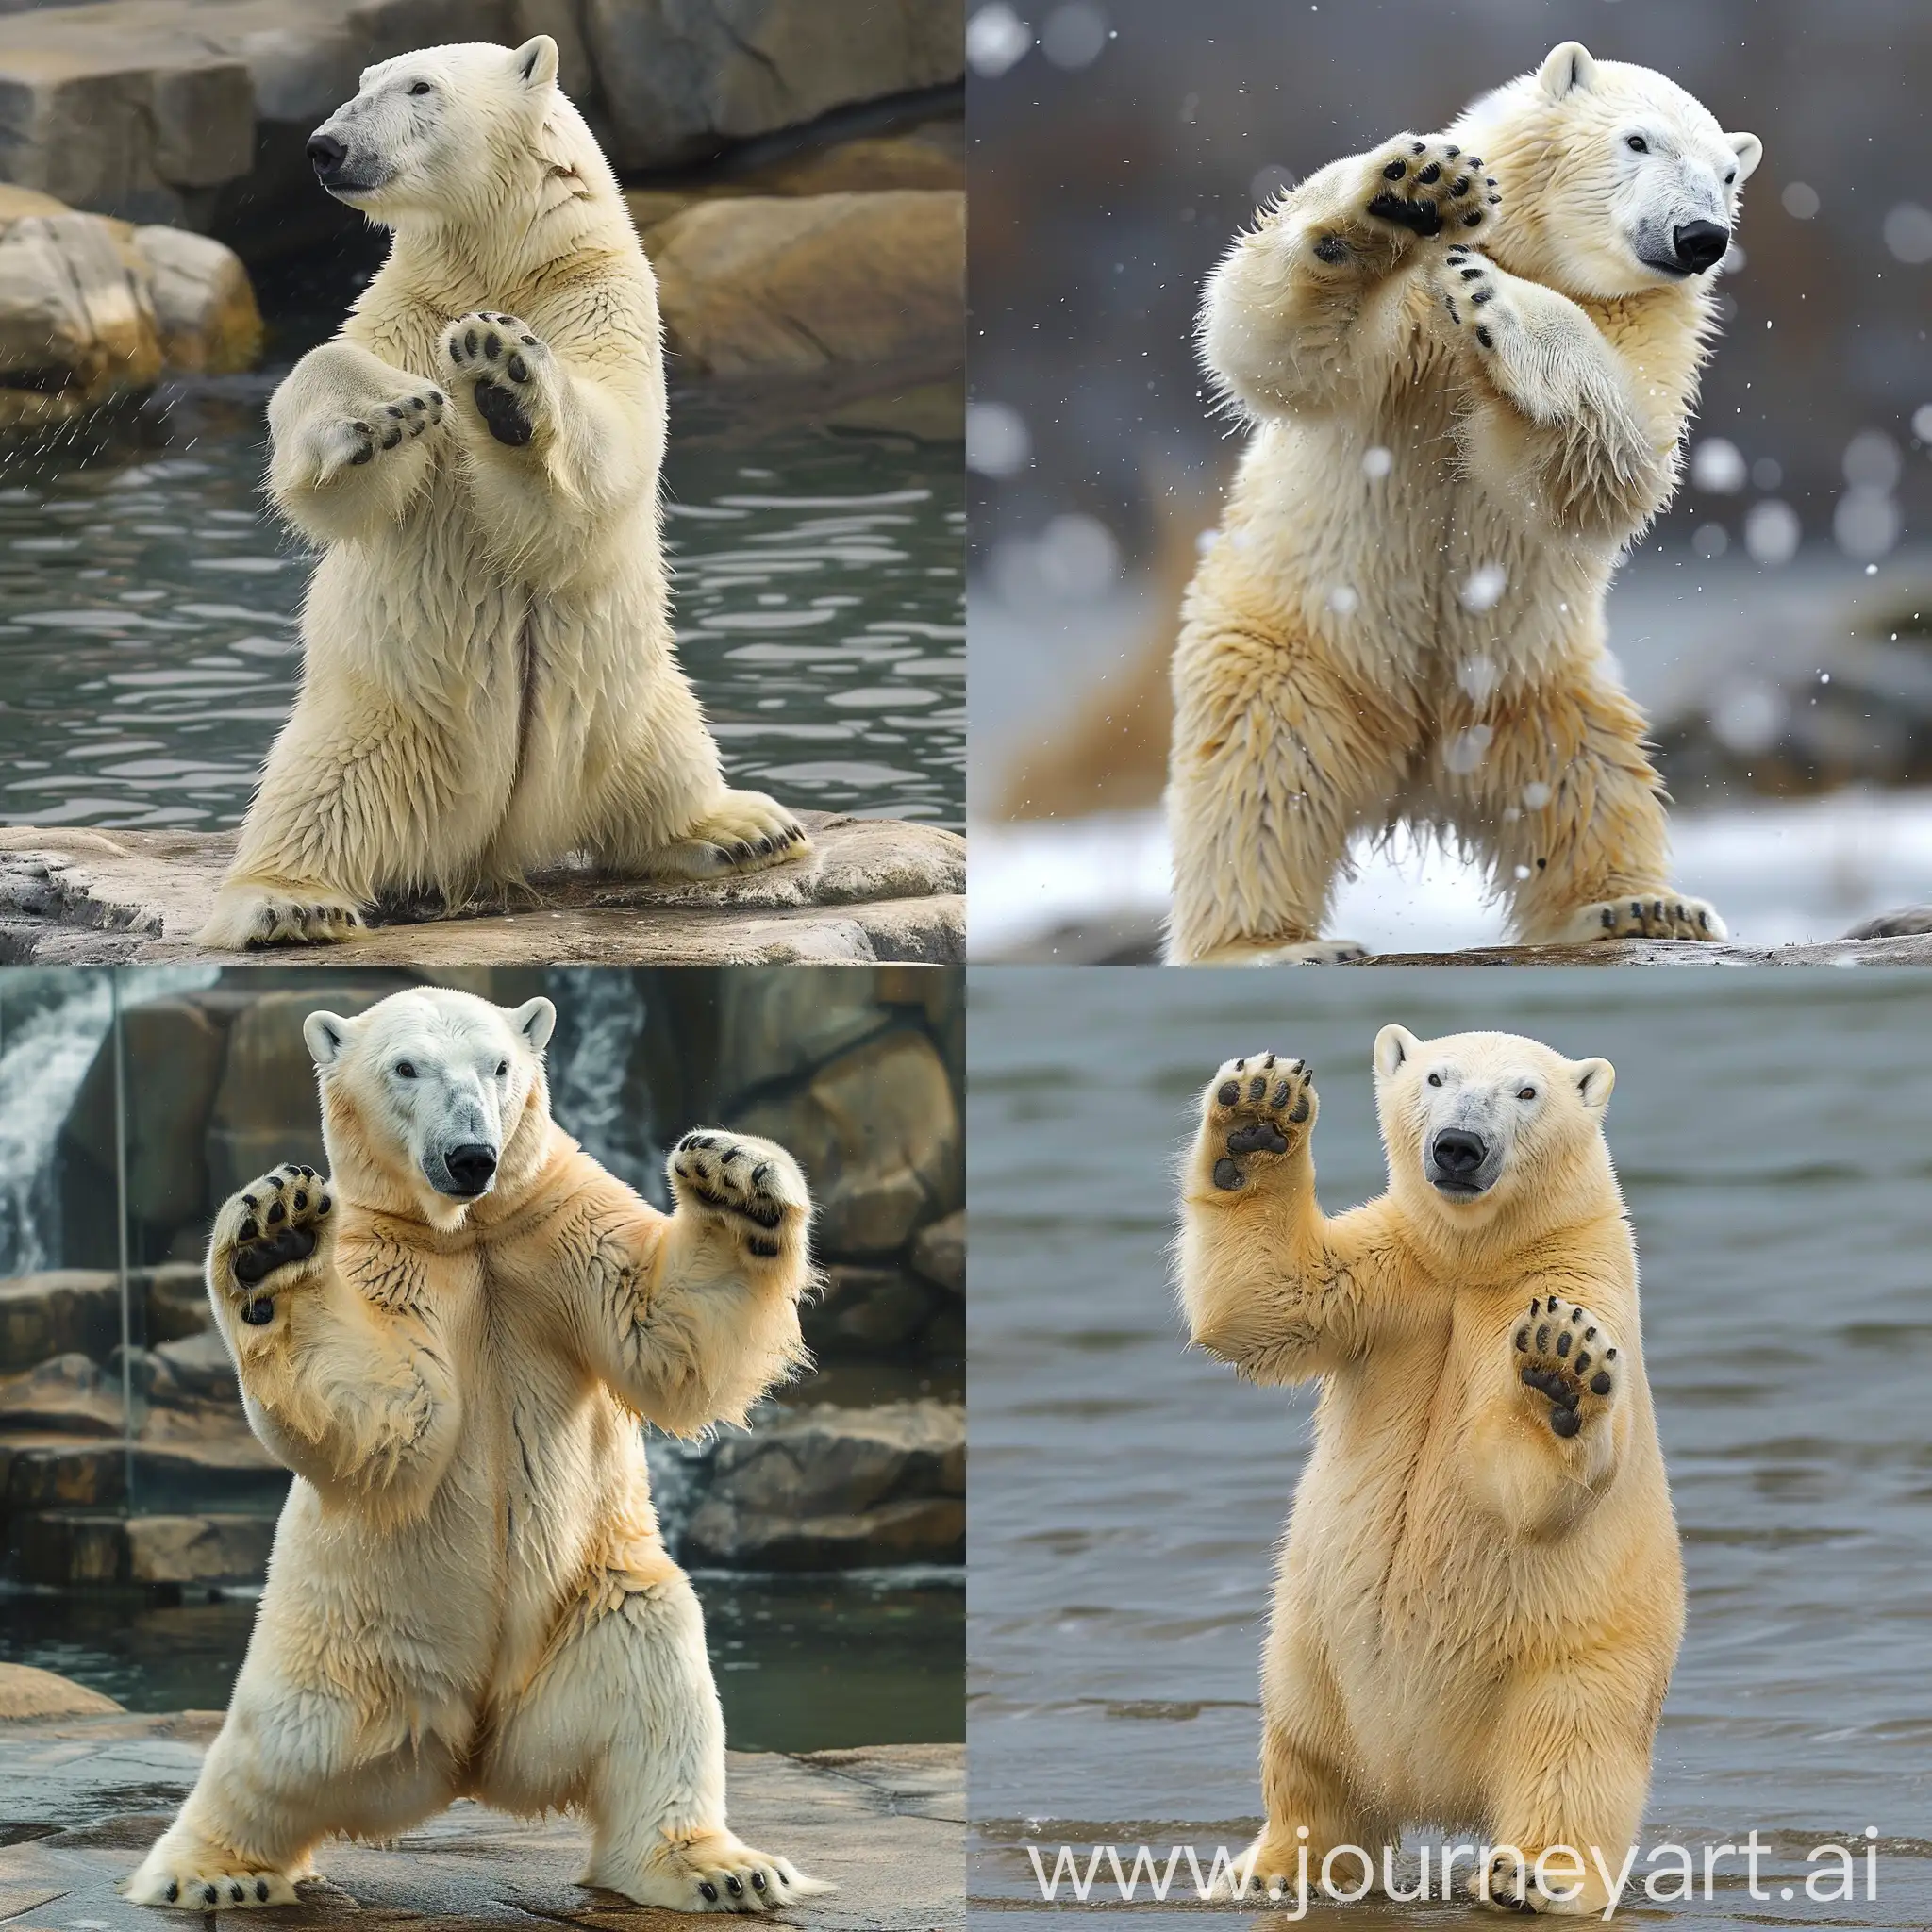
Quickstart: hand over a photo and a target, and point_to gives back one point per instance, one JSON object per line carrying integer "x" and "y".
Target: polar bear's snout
{"x": 1700, "y": 245}
{"x": 1463, "y": 1163}
{"x": 470, "y": 1170}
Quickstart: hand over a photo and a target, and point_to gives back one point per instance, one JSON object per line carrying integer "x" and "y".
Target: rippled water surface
{"x": 1774, "y": 1135}
{"x": 148, "y": 614}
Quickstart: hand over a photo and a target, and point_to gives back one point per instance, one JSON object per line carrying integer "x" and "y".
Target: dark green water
{"x": 803, "y": 1663}
{"x": 1772, "y": 1131}
{"x": 149, "y": 611}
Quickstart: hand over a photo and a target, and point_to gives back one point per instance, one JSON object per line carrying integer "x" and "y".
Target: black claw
{"x": 1420, "y": 147}
{"x": 1485, "y": 338}
{"x": 709, "y": 1890}
{"x": 174, "y": 1891}
{"x": 1483, "y": 295}
{"x": 210, "y": 1895}
{"x": 1453, "y": 152}
{"x": 734, "y": 1885}
{"x": 757, "y": 1879}
{"x": 530, "y": 341}
{"x": 235, "y": 1889}
{"x": 262, "y": 1888}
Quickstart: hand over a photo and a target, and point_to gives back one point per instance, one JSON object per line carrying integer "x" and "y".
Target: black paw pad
{"x": 1263, "y": 1137}
{"x": 503, "y": 414}
{"x": 1227, "y": 1176}
{"x": 1229, "y": 1092}
{"x": 1421, "y": 217}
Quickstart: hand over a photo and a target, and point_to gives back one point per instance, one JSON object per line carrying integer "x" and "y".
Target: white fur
{"x": 489, "y": 682}
{"x": 468, "y": 1593}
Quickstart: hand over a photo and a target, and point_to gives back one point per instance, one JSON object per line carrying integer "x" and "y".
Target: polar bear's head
{"x": 432, "y": 1098}
{"x": 1479, "y": 1126}
{"x": 1613, "y": 178}
{"x": 468, "y": 136}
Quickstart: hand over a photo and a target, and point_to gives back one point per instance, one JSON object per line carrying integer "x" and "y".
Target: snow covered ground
{"x": 1781, "y": 874}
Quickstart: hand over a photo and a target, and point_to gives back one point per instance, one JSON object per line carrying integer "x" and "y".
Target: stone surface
{"x": 682, "y": 79}
{"x": 885, "y": 1825}
{"x": 866, "y": 1310}
{"x": 63, "y": 1311}
{"x": 833, "y": 1488}
{"x": 73, "y": 1547}
{"x": 27, "y": 1693}
{"x": 939, "y": 1252}
{"x": 873, "y": 890}
{"x": 763, "y": 285}
{"x": 76, "y": 324}
{"x": 878, "y": 1133}
{"x": 204, "y": 302}
{"x": 68, "y": 1394}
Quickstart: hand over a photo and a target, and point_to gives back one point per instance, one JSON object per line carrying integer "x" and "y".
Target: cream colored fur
{"x": 489, "y": 680}
{"x": 469, "y": 1594}
{"x": 1475, "y": 1615}
{"x": 1403, "y": 615}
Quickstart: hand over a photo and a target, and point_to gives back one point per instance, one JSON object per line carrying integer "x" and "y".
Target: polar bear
{"x": 449, "y": 1340}
{"x": 488, "y": 683}
{"x": 1480, "y": 1599}
{"x": 1470, "y": 359}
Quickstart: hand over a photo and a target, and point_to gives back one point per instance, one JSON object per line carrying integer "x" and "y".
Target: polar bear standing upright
{"x": 1470, "y": 359}
{"x": 1481, "y": 1595}
{"x": 449, "y": 1340}
{"x": 489, "y": 684}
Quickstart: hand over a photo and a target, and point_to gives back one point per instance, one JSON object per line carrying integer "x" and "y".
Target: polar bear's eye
{"x": 1526, "y": 1093}
{"x": 406, "y": 1070}
{"x": 1435, "y": 1079}
{"x": 422, "y": 86}
{"x": 1730, "y": 178}
{"x": 1636, "y": 144}
{"x": 502, "y": 1070}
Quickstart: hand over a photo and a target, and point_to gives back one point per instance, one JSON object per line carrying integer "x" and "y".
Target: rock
{"x": 27, "y": 1693}
{"x": 225, "y": 1469}
{"x": 67, "y": 1311}
{"x": 1908, "y": 920}
{"x": 90, "y": 1794}
{"x": 61, "y": 1547}
{"x": 683, "y": 78}
{"x": 866, "y": 1311}
{"x": 838, "y": 1489}
{"x": 865, "y": 166}
{"x": 875, "y": 890}
{"x": 67, "y": 1395}
{"x": 878, "y": 1133}
{"x": 177, "y": 1302}
{"x": 76, "y": 325}
{"x": 195, "y": 1373}
{"x": 764, "y": 285}
{"x": 204, "y": 302}
{"x": 939, "y": 1252}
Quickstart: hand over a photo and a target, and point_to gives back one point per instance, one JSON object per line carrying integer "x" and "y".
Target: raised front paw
{"x": 505, "y": 364}
{"x": 754, "y": 1184}
{"x": 1428, "y": 186}
{"x": 1255, "y": 1111}
{"x": 391, "y": 423}
{"x": 1474, "y": 299}
{"x": 1564, "y": 1356}
{"x": 1644, "y": 916}
{"x": 275, "y": 1224}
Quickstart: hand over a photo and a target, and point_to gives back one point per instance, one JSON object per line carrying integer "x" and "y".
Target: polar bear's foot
{"x": 248, "y": 915}
{"x": 1564, "y": 1356}
{"x": 754, "y": 1185}
{"x": 1648, "y": 916}
{"x": 506, "y": 366}
{"x": 348, "y": 443}
{"x": 1430, "y": 186}
{"x": 744, "y": 832}
{"x": 271, "y": 1224}
{"x": 714, "y": 1874}
{"x": 1476, "y": 303}
{"x": 1509, "y": 1883}
{"x": 1258, "y": 1108}
{"x": 1273, "y": 1869}
{"x": 1290, "y": 953}
{"x": 195, "y": 1876}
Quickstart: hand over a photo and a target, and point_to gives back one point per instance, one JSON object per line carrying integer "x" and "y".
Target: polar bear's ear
{"x": 1595, "y": 1079}
{"x": 326, "y": 1035}
{"x": 1565, "y": 69}
{"x": 536, "y": 61}
{"x": 535, "y": 1020}
{"x": 1749, "y": 151}
{"x": 1394, "y": 1045}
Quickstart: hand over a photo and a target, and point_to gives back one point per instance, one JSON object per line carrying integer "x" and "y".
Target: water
{"x": 1772, "y": 1131}
{"x": 149, "y": 608}
{"x": 808, "y": 1663}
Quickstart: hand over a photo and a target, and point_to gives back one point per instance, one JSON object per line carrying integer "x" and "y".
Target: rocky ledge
{"x": 873, "y": 890}
{"x": 87, "y": 1794}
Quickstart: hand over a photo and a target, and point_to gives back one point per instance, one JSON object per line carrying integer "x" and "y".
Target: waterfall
{"x": 52, "y": 1022}
{"x": 595, "y": 1094}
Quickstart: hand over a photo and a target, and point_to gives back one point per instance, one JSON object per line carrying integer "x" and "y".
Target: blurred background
{"x": 795, "y": 169}
{"x": 136, "y": 1509}
{"x": 1769, "y": 1132}
{"x": 1775, "y": 625}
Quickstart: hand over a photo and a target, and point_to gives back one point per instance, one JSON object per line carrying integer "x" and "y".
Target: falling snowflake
{"x": 1483, "y": 589}
{"x": 1377, "y": 462}
{"x": 1342, "y": 601}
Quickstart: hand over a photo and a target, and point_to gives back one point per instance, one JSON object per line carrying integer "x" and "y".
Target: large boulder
{"x": 803, "y": 284}
{"x": 204, "y": 303}
{"x": 684, "y": 78}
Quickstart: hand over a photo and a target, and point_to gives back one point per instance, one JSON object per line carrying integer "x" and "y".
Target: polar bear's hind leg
{"x": 744, "y": 831}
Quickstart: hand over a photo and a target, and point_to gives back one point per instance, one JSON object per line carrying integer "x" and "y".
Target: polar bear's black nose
{"x": 328, "y": 154}
{"x": 470, "y": 1167}
{"x": 1458, "y": 1153}
{"x": 1700, "y": 245}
